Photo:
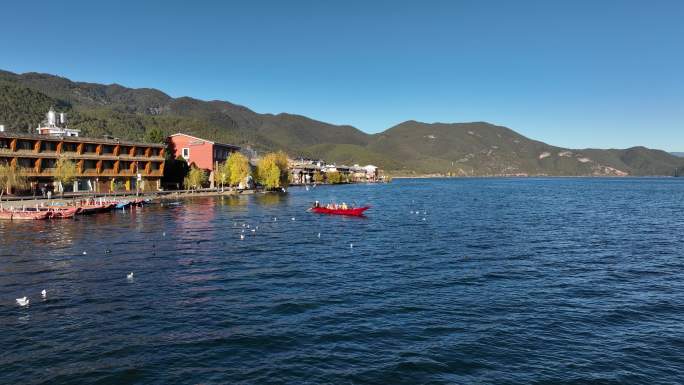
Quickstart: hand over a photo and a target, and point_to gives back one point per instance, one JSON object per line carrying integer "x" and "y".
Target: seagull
{"x": 293, "y": 218}
{"x": 107, "y": 251}
{"x": 129, "y": 276}
{"x": 22, "y": 301}
{"x": 423, "y": 218}
{"x": 275, "y": 219}
{"x": 351, "y": 245}
{"x": 164, "y": 234}
{"x": 44, "y": 293}
{"x": 319, "y": 235}
{"x": 84, "y": 253}
{"x": 254, "y": 230}
{"x": 242, "y": 236}
{"x": 243, "y": 225}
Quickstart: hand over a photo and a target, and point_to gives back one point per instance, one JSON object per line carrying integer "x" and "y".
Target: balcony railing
{"x": 50, "y": 172}
{"x": 6, "y": 152}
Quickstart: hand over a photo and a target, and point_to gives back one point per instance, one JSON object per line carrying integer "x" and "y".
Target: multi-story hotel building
{"x": 104, "y": 165}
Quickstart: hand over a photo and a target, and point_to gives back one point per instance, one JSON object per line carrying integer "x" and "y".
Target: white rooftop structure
{"x": 56, "y": 125}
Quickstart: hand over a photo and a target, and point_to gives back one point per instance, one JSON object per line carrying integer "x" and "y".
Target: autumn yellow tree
{"x": 222, "y": 174}
{"x": 11, "y": 178}
{"x": 333, "y": 177}
{"x": 196, "y": 178}
{"x": 272, "y": 170}
{"x": 318, "y": 177}
{"x": 239, "y": 168}
{"x": 66, "y": 172}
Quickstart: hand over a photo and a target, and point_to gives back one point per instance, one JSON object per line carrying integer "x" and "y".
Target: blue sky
{"x": 571, "y": 73}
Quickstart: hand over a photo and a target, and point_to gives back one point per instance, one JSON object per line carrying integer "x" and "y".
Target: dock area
{"x": 158, "y": 196}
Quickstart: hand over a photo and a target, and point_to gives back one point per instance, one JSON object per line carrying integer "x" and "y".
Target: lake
{"x": 506, "y": 281}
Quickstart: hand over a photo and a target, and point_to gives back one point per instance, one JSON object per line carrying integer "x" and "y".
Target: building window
{"x": 185, "y": 153}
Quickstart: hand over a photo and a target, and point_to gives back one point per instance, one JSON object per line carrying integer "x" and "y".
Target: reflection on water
{"x": 580, "y": 277}
{"x": 270, "y": 199}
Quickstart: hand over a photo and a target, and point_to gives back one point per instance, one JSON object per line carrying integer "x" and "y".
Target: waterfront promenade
{"x": 31, "y": 201}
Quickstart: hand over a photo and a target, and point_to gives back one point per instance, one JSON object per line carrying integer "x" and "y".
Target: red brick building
{"x": 203, "y": 153}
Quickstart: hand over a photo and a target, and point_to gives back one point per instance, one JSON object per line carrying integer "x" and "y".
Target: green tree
{"x": 11, "y": 178}
{"x": 155, "y": 135}
{"x": 66, "y": 172}
{"x": 272, "y": 170}
{"x": 333, "y": 177}
{"x": 196, "y": 178}
{"x": 318, "y": 177}
{"x": 238, "y": 168}
{"x": 175, "y": 171}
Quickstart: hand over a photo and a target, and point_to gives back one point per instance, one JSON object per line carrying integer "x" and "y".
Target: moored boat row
{"x": 67, "y": 210}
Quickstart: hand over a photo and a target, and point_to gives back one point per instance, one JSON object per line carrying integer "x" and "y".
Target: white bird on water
{"x": 129, "y": 276}
{"x": 293, "y": 218}
{"x": 84, "y": 253}
{"x": 44, "y": 293}
{"x": 242, "y": 236}
{"x": 351, "y": 245}
{"x": 275, "y": 219}
{"x": 22, "y": 301}
{"x": 319, "y": 235}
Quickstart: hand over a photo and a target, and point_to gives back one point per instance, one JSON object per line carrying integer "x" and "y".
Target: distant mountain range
{"x": 410, "y": 148}
{"x": 679, "y": 154}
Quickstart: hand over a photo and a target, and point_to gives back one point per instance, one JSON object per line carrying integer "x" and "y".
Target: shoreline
{"x": 19, "y": 202}
{"x": 532, "y": 176}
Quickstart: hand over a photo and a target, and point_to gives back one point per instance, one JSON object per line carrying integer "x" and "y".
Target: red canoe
{"x": 355, "y": 212}
{"x": 56, "y": 212}
{"x": 23, "y": 215}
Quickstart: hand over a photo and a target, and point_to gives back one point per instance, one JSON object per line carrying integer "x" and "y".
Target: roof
{"x": 206, "y": 140}
{"x": 17, "y": 135}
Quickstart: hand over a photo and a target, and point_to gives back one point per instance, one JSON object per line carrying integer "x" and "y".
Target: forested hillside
{"x": 409, "y": 148}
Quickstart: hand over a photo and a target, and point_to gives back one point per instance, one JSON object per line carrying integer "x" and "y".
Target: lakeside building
{"x": 302, "y": 171}
{"x": 104, "y": 165}
{"x": 205, "y": 154}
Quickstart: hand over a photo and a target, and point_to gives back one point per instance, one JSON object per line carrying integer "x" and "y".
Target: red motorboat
{"x": 352, "y": 211}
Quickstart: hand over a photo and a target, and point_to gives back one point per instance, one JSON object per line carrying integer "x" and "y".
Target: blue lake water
{"x": 471, "y": 281}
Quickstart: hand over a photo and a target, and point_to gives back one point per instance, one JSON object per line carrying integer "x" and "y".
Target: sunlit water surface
{"x": 500, "y": 281}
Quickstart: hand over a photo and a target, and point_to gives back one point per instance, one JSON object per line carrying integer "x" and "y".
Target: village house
{"x": 302, "y": 171}
{"x": 205, "y": 154}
